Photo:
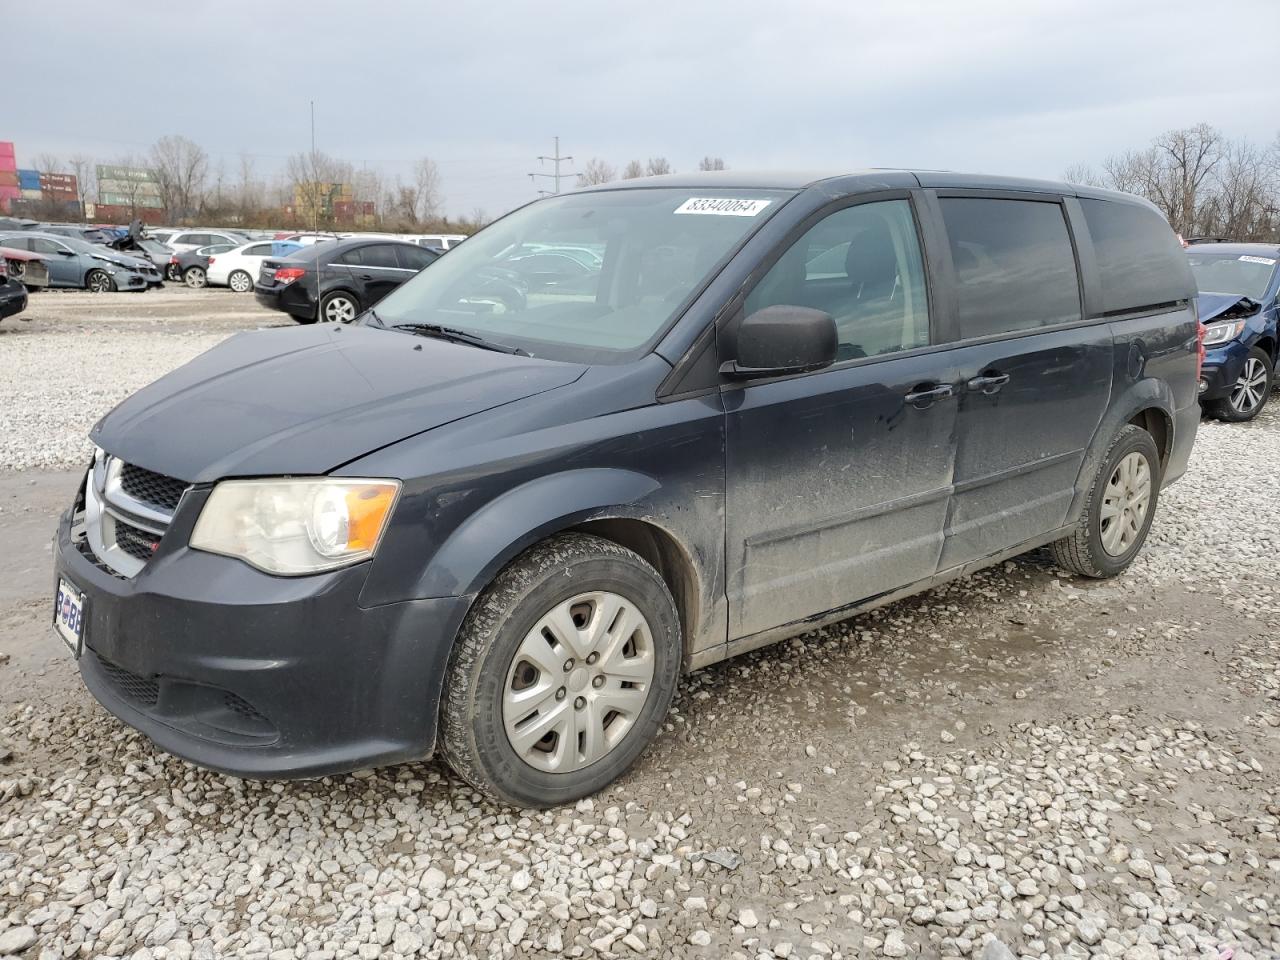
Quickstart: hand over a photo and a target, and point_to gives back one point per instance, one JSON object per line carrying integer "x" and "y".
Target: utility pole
{"x": 315, "y": 177}
{"x": 556, "y": 160}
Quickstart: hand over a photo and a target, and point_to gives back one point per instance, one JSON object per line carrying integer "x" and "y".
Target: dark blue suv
{"x": 500, "y": 527}
{"x": 1239, "y": 303}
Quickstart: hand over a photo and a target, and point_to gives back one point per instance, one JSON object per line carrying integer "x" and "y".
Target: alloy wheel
{"x": 99, "y": 282}
{"x": 1124, "y": 504}
{"x": 1250, "y": 389}
{"x": 578, "y": 682}
{"x": 240, "y": 282}
{"x": 195, "y": 278}
{"x": 339, "y": 310}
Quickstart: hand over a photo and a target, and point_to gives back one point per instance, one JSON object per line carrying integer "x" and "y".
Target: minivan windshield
{"x": 589, "y": 277}
{"x": 1243, "y": 275}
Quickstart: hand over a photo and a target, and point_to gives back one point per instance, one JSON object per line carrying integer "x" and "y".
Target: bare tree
{"x": 633, "y": 169}
{"x": 82, "y": 168}
{"x": 1239, "y": 205}
{"x": 1184, "y": 162}
{"x": 597, "y": 171}
{"x": 426, "y": 180}
{"x": 182, "y": 170}
{"x": 711, "y": 163}
{"x": 49, "y": 163}
{"x": 1082, "y": 174}
{"x": 313, "y": 176}
{"x": 657, "y": 166}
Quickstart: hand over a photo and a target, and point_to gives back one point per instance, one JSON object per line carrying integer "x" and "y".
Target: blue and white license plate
{"x": 68, "y": 616}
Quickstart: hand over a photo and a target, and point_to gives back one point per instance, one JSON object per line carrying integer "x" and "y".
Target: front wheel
{"x": 1251, "y": 390}
{"x": 561, "y": 674}
{"x": 240, "y": 282}
{"x": 1119, "y": 511}
{"x": 338, "y": 308}
{"x": 99, "y": 281}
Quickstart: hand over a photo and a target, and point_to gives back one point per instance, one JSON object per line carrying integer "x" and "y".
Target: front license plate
{"x": 68, "y": 616}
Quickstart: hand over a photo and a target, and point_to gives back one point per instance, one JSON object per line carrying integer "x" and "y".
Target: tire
{"x": 99, "y": 281}
{"x": 339, "y": 307}
{"x": 1092, "y": 551}
{"x": 240, "y": 282}
{"x": 195, "y": 278}
{"x": 1251, "y": 390}
{"x": 489, "y": 670}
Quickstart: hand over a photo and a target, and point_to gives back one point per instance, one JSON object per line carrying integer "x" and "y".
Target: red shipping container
{"x": 6, "y": 148}
{"x": 8, "y": 165}
{"x": 8, "y": 178}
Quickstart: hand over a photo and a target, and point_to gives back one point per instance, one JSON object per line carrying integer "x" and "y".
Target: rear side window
{"x": 1015, "y": 266}
{"x": 260, "y": 250}
{"x": 380, "y": 255}
{"x": 414, "y": 258}
{"x": 1140, "y": 262}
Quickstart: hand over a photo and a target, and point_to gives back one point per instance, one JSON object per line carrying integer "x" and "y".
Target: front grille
{"x": 139, "y": 689}
{"x": 152, "y": 488}
{"x": 137, "y": 543}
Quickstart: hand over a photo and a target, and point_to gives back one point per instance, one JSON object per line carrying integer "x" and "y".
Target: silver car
{"x": 86, "y": 266}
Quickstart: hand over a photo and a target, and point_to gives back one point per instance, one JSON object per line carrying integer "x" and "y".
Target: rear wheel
{"x": 194, "y": 277}
{"x": 338, "y": 307}
{"x": 1119, "y": 511}
{"x": 1250, "y": 392}
{"x": 561, "y": 673}
{"x": 240, "y": 282}
{"x": 99, "y": 281}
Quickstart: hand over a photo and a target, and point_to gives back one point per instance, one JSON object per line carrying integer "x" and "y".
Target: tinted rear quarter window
{"x": 1015, "y": 266}
{"x": 1140, "y": 262}
{"x": 414, "y": 258}
{"x": 380, "y": 255}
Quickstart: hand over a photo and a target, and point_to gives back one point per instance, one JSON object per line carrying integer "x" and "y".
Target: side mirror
{"x": 65, "y": 252}
{"x": 783, "y": 339}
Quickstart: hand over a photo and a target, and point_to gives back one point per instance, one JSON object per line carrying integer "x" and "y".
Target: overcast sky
{"x": 1020, "y": 87}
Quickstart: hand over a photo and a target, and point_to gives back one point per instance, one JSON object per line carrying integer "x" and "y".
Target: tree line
{"x": 1205, "y": 183}
{"x": 192, "y": 188}
{"x": 599, "y": 171}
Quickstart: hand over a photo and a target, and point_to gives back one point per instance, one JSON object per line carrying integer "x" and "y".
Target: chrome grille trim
{"x": 110, "y": 511}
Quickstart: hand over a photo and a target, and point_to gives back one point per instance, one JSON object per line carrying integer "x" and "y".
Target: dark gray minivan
{"x": 498, "y": 518}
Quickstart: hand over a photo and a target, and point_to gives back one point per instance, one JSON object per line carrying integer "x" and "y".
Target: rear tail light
{"x": 289, "y": 274}
{"x": 4, "y": 270}
{"x": 211, "y": 259}
{"x": 173, "y": 261}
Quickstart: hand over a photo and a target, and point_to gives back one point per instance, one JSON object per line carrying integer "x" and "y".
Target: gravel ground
{"x": 1057, "y": 766}
{"x": 72, "y": 356}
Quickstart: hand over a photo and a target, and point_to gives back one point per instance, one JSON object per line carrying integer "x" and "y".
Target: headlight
{"x": 296, "y": 527}
{"x": 1216, "y": 334}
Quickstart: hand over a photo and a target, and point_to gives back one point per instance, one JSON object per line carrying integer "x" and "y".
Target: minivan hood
{"x": 305, "y": 401}
{"x": 1214, "y": 305}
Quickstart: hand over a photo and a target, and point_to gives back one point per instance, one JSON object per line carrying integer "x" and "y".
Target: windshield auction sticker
{"x": 1267, "y": 260}
{"x": 722, "y": 206}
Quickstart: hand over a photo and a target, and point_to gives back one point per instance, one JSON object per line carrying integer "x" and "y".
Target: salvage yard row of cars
{"x": 495, "y": 511}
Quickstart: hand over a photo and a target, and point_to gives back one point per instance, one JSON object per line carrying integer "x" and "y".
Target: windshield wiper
{"x": 457, "y": 336}
{"x": 376, "y": 321}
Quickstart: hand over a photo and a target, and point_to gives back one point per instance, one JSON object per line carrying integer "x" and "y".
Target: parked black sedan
{"x": 336, "y": 280}
{"x": 191, "y": 266}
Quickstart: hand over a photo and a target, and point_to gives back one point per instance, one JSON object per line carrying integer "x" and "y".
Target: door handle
{"x": 365, "y": 276}
{"x": 925, "y": 396}
{"x": 988, "y": 383}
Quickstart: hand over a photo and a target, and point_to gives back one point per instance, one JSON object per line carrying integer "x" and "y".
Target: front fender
{"x": 1142, "y": 395}
{"x": 507, "y": 525}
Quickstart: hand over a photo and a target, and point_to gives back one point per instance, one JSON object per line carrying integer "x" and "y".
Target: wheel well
{"x": 1268, "y": 345}
{"x": 664, "y": 553}
{"x": 1155, "y": 422}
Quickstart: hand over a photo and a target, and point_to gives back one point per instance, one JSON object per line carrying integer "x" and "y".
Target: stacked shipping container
{"x": 9, "y": 188}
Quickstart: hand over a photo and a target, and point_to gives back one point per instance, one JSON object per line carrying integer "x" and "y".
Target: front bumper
{"x": 12, "y": 302}
{"x": 1221, "y": 370}
{"x": 255, "y": 675}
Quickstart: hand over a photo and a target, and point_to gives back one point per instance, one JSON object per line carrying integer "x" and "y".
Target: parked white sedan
{"x": 238, "y": 268}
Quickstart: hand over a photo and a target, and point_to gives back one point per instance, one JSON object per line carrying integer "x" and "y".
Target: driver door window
{"x": 863, "y": 266}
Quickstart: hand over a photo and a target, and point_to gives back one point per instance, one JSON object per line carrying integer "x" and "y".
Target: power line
{"x": 556, "y": 159}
